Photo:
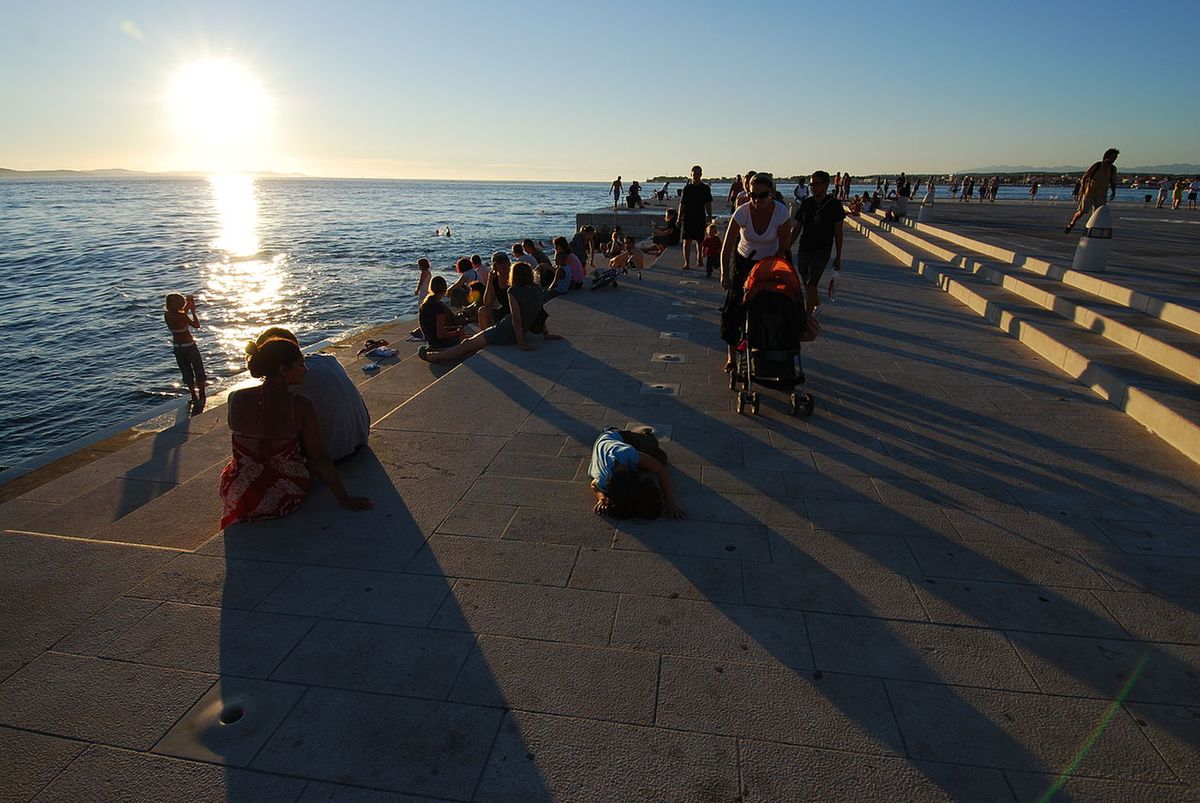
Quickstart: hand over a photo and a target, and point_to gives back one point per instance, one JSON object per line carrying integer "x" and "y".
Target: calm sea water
{"x": 84, "y": 265}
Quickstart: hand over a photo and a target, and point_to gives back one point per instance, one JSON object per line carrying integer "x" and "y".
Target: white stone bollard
{"x": 1091, "y": 254}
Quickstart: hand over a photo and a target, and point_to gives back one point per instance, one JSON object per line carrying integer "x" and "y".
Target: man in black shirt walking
{"x": 818, "y": 228}
{"x": 695, "y": 213}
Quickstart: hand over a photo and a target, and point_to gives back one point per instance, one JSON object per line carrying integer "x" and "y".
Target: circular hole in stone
{"x": 231, "y": 714}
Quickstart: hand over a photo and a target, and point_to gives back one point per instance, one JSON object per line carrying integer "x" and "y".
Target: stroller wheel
{"x": 809, "y": 403}
{"x": 733, "y": 380}
{"x": 741, "y": 403}
{"x": 754, "y": 403}
{"x": 794, "y": 405}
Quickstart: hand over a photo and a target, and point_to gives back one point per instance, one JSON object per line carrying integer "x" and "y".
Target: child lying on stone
{"x": 624, "y": 469}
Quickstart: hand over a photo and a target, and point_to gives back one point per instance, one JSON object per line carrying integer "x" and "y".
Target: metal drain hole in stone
{"x": 231, "y": 714}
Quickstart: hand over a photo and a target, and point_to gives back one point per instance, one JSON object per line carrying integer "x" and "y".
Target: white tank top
{"x": 752, "y": 242}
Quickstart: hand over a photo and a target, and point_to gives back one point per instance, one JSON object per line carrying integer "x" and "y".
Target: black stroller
{"x": 769, "y": 354}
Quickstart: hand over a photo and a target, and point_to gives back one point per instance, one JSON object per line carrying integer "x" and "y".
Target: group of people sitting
{"x": 503, "y": 302}
{"x": 307, "y": 414}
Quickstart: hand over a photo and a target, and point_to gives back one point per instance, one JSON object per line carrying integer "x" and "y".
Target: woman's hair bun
{"x": 251, "y": 348}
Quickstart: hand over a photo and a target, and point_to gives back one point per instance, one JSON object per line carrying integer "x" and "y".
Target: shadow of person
{"x": 335, "y": 665}
{"x": 903, "y": 685}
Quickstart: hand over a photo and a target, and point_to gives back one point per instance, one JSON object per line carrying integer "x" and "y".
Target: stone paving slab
{"x": 48, "y": 587}
{"x": 1018, "y": 731}
{"x": 933, "y": 588}
{"x": 386, "y": 742}
{"x": 29, "y": 761}
{"x": 103, "y": 773}
{"x": 541, "y": 758}
{"x": 771, "y": 771}
{"x": 122, "y": 704}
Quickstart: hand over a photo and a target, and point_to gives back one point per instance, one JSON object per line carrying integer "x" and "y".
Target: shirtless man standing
{"x": 1095, "y": 187}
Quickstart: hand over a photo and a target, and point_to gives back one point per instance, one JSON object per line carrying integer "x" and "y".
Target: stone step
{"x": 1142, "y": 389}
{"x": 1176, "y": 349}
{"x": 1183, "y": 316}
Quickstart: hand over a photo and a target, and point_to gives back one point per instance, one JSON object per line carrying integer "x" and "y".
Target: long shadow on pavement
{"x": 336, "y": 666}
{"x": 980, "y": 730}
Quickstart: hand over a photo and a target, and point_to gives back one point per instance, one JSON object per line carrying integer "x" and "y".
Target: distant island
{"x": 121, "y": 173}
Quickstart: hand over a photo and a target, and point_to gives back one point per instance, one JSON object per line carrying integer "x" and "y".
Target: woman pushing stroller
{"x": 763, "y": 320}
{"x": 757, "y": 230}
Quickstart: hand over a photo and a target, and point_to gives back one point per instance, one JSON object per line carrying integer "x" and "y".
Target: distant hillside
{"x": 1151, "y": 169}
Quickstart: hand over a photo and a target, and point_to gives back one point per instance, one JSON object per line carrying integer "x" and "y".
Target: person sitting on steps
{"x": 525, "y": 315}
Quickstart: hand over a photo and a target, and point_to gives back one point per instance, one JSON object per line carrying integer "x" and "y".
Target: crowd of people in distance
{"x": 1175, "y": 189}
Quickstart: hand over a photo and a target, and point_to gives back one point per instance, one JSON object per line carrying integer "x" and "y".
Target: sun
{"x": 221, "y": 115}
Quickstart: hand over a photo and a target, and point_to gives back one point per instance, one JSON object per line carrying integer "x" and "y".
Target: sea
{"x": 85, "y": 263}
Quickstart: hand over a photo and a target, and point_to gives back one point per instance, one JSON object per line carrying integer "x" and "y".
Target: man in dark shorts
{"x": 695, "y": 213}
{"x": 818, "y": 227}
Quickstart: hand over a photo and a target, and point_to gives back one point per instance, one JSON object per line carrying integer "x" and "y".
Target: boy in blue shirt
{"x": 624, "y": 467}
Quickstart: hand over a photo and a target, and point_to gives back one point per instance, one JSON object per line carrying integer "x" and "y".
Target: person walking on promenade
{"x": 757, "y": 230}
{"x": 744, "y": 195}
{"x": 1033, "y": 188}
{"x": 800, "y": 192}
{"x": 1193, "y": 188}
{"x": 1177, "y": 194}
{"x": 1099, "y": 180}
{"x": 1164, "y": 186}
{"x": 930, "y": 192}
{"x": 179, "y": 313}
{"x": 695, "y": 213}
{"x": 735, "y": 190}
{"x": 818, "y": 227}
{"x": 616, "y": 188}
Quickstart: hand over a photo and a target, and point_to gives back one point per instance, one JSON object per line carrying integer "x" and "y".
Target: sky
{"x": 566, "y": 90}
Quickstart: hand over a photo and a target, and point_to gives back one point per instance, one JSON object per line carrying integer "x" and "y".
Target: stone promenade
{"x": 965, "y": 577}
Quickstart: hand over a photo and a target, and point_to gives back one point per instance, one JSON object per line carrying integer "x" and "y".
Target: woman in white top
{"x": 757, "y": 230}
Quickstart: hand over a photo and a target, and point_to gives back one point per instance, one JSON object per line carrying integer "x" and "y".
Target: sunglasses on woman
{"x": 759, "y": 196}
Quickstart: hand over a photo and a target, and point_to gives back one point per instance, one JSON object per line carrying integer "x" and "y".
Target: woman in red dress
{"x": 268, "y": 477}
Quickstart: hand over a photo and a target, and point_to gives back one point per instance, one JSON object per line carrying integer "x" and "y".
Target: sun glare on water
{"x": 221, "y": 116}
